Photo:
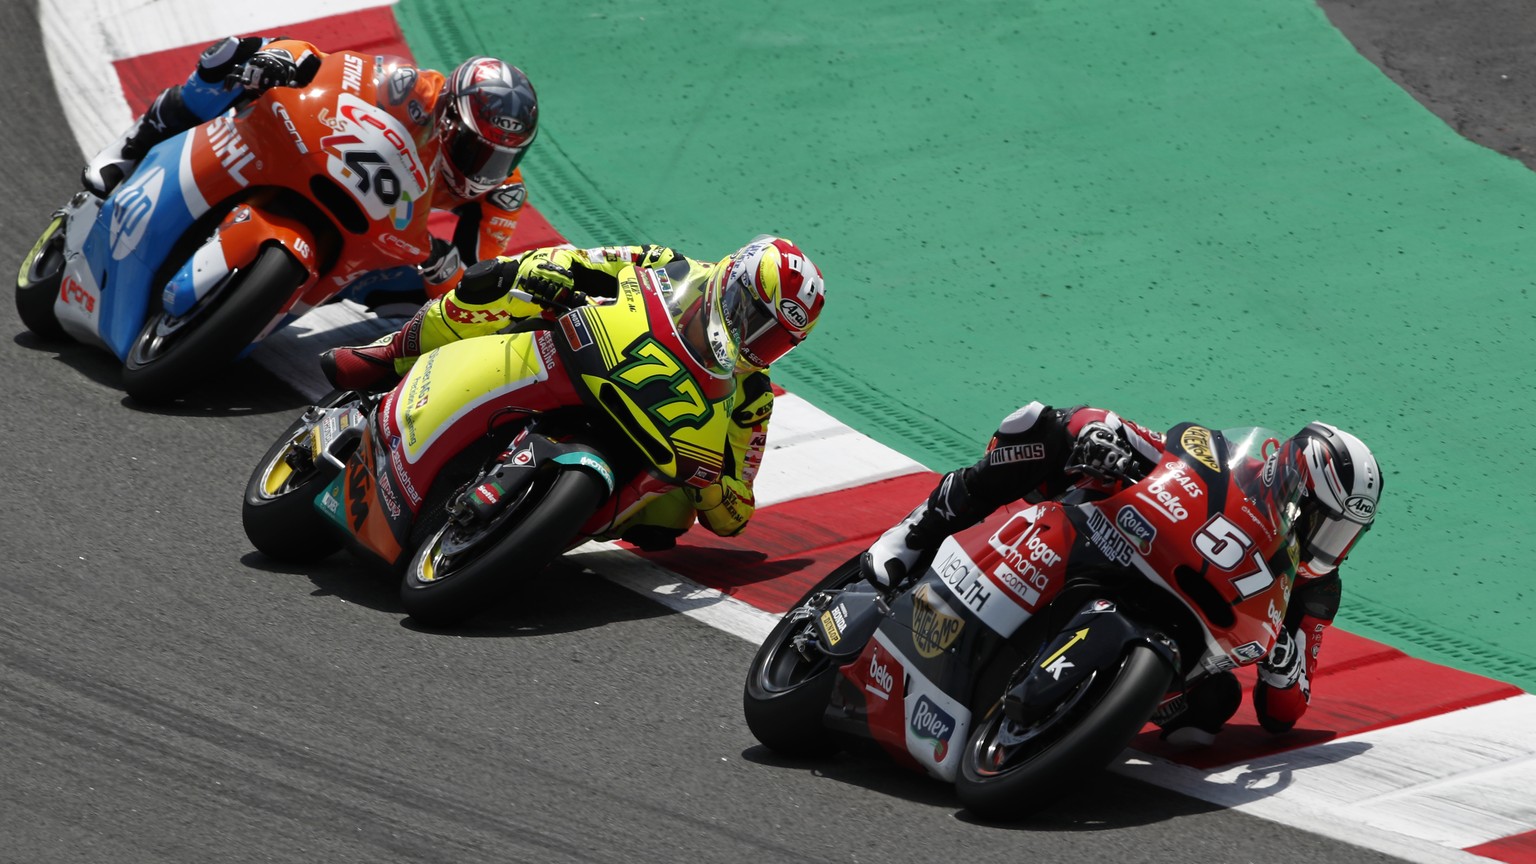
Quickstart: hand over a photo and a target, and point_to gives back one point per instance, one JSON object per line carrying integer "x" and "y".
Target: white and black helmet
{"x": 1341, "y": 487}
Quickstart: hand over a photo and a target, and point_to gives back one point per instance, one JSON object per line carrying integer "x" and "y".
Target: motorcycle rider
{"x": 1039, "y": 452}
{"x": 485, "y": 115}
{"x": 768, "y": 296}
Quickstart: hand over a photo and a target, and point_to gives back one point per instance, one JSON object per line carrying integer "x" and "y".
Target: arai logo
{"x": 1360, "y": 507}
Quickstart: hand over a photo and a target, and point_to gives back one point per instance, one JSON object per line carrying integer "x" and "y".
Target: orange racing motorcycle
{"x": 227, "y": 231}
{"x": 495, "y": 454}
{"x": 1026, "y": 652}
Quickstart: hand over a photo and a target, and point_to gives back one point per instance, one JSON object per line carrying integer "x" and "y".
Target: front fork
{"x": 530, "y": 455}
{"x": 336, "y": 427}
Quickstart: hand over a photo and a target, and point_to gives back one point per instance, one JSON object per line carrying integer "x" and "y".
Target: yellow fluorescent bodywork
{"x": 459, "y": 377}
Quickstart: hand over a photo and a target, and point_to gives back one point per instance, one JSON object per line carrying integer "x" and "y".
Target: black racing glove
{"x": 265, "y": 70}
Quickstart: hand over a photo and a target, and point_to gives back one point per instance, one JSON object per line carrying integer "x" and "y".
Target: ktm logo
{"x": 359, "y": 485}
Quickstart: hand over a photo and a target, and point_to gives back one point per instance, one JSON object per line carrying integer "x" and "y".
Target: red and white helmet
{"x": 1341, "y": 484}
{"x": 487, "y": 115}
{"x": 770, "y": 296}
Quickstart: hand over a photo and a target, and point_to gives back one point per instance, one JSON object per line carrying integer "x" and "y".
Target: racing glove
{"x": 724, "y": 506}
{"x": 544, "y": 276}
{"x": 442, "y": 269}
{"x": 265, "y": 70}
{"x": 1284, "y": 688}
{"x": 1102, "y": 452}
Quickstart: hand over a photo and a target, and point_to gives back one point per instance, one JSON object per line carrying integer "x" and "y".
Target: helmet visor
{"x": 1331, "y": 540}
{"x": 760, "y": 337}
{"x": 482, "y": 165}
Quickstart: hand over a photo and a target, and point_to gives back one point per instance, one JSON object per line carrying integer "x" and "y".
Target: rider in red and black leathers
{"x": 485, "y": 115}
{"x": 1040, "y": 452}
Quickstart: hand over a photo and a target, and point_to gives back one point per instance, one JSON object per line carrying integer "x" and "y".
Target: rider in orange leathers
{"x": 484, "y": 114}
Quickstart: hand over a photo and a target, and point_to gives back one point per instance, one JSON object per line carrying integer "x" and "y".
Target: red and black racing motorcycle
{"x": 1027, "y": 651}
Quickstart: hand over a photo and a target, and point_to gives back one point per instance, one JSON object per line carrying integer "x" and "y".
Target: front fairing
{"x": 115, "y": 249}
{"x": 631, "y": 361}
{"x": 1211, "y": 524}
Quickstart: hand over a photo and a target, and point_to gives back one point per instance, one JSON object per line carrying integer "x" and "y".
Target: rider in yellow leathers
{"x": 770, "y": 296}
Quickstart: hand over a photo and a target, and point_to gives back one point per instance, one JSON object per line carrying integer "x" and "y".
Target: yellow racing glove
{"x": 544, "y": 275}
{"x": 725, "y": 506}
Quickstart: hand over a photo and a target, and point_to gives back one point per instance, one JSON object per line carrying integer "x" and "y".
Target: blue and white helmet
{"x": 1341, "y": 487}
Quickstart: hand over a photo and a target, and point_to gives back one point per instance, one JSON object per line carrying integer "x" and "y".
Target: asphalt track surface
{"x": 167, "y": 695}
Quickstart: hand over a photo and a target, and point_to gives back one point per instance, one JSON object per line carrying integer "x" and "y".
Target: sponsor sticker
{"x": 1010, "y": 453}
{"x": 1108, "y": 541}
{"x": 1249, "y": 652}
{"x": 965, "y": 582}
{"x": 1136, "y": 528}
{"x": 1360, "y": 508}
{"x": 793, "y": 312}
{"x": 935, "y": 627}
{"x": 881, "y": 679}
{"x": 131, "y": 211}
{"x": 1168, "y": 492}
{"x": 933, "y": 724}
{"x": 1197, "y": 442}
{"x": 576, "y": 333}
{"x": 829, "y": 627}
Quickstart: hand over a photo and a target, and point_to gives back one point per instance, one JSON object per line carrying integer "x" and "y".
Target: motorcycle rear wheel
{"x": 440, "y": 591}
{"x": 1008, "y": 771}
{"x": 170, "y": 356}
{"x": 786, "y": 693}
{"x": 38, "y": 283}
{"x": 279, "y": 514}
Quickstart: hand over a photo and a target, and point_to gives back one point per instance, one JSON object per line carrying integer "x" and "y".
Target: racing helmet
{"x": 1340, "y": 486}
{"x": 487, "y": 115}
{"x": 769, "y": 297}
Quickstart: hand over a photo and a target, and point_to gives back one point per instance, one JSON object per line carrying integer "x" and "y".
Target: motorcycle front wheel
{"x": 1010, "y": 770}
{"x": 279, "y": 513}
{"x": 171, "y": 354}
{"x": 787, "y": 691}
{"x": 458, "y": 570}
{"x": 38, "y": 283}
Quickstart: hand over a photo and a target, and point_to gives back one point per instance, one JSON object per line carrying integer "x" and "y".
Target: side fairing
{"x": 983, "y": 585}
{"x": 134, "y": 231}
{"x": 886, "y": 692}
{"x": 457, "y": 393}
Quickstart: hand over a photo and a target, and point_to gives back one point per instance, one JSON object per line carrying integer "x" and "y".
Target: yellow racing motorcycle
{"x": 494, "y": 455}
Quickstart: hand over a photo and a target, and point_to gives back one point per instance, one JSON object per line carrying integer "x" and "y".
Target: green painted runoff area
{"x": 1209, "y": 210}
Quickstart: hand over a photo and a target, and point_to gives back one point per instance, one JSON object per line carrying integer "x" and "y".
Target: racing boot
{"x": 659, "y": 523}
{"x": 1195, "y": 717}
{"x": 949, "y": 508}
{"x": 167, "y": 117}
{"x": 379, "y": 364}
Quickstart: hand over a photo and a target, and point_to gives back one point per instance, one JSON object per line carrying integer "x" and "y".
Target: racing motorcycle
{"x": 230, "y": 230}
{"x": 493, "y": 455}
{"x": 1025, "y": 653}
